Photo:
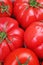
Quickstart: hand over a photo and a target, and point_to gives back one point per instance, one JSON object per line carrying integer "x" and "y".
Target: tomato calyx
{"x": 2, "y": 36}
{"x": 4, "y": 8}
{"x": 19, "y": 63}
{"x": 33, "y": 3}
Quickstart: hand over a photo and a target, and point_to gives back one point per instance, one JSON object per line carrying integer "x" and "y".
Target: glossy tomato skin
{"x": 8, "y": 11}
{"x": 23, "y": 55}
{"x": 4, "y": 51}
{"x": 14, "y": 38}
{"x": 34, "y": 38}
{"x": 26, "y": 14}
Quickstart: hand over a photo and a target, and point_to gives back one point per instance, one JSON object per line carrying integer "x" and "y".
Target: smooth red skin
{"x": 22, "y": 54}
{"x": 34, "y": 38}
{"x": 26, "y": 14}
{"x": 42, "y": 63}
{"x": 9, "y": 3}
{"x": 14, "y": 34}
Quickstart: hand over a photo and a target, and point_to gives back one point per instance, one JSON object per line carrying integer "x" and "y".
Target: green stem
{"x": 24, "y": 63}
{"x": 34, "y": 3}
{"x": 4, "y": 8}
{"x": 18, "y": 60}
{"x": 2, "y": 36}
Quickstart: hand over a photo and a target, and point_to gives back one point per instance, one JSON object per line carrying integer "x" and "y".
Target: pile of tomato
{"x": 21, "y": 32}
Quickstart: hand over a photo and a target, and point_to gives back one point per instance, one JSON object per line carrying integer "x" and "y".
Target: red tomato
{"x": 5, "y": 8}
{"x": 22, "y": 56}
{"x": 28, "y": 11}
{"x": 11, "y": 36}
{"x": 42, "y": 63}
{"x": 34, "y": 38}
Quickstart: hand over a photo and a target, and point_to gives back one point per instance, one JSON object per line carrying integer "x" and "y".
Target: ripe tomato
{"x": 28, "y": 11}
{"x": 11, "y": 36}
{"x": 42, "y": 63}
{"x": 5, "y": 8}
{"x": 22, "y": 56}
{"x": 34, "y": 38}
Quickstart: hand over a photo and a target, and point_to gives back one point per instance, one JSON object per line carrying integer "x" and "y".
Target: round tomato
{"x": 5, "y": 8}
{"x": 34, "y": 38}
{"x": 28, "y": 11}
{"x": 11, "y": 36}
{"x": 22, "y": 56}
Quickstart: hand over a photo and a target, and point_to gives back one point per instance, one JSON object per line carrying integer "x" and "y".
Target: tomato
{"x": 11, "y": 36}
{"x": 42, "y": 63}
{"x": 34, "y": 38}
{"x": 22, "y": 56}
{"x": 5, "y": 8}
{"x": 28, "y": 11}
